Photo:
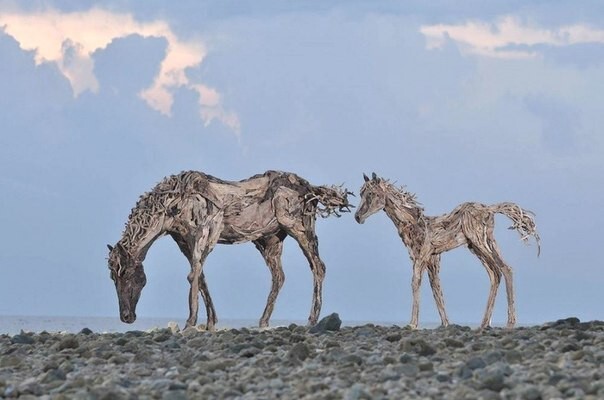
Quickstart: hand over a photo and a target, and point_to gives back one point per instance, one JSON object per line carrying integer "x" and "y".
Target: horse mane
{"x": 157, "y": 201}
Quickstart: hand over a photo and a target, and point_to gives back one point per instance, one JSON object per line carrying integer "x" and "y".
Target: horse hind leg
{"x": 485, "y": 254}
{"x": 271, "y": 249}
{"x": 509, "y": 282}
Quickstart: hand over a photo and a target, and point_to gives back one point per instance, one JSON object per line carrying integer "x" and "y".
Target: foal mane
{"x": 401, "y": 194}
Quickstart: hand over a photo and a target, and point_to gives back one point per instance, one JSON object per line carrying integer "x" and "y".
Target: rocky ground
{"x": 563, "y": 359}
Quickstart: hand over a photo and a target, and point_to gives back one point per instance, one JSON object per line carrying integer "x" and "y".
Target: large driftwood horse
{"x": 426, "y": 238}
{"x": 198, "y": 211}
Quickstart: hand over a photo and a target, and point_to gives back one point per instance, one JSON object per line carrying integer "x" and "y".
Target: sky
{"x": 478, "y": 101}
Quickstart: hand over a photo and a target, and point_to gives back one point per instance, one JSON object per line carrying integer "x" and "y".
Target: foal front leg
{"x": 416, "y": 283}
{"x": 437, "y": 292}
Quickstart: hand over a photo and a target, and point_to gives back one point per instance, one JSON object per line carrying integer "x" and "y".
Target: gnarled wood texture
{"x": 426, "y": 238}
{"x": 198, "y": 211}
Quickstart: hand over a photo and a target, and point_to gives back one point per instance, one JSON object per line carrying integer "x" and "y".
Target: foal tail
{"x": 524, "y": 221}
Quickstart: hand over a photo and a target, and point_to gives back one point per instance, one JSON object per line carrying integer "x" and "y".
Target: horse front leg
{"x": 271, "y": 248}
{"x": 212, "y": 319}
{"x": 187, "y": 251}
{"x": 309, "y": 244}
{"x": 205, "y": 240}
{"x": 193, "y": 277}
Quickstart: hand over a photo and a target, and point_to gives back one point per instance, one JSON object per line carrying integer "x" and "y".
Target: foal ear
{"x": 110, "y": 247}
{"x": 374, "y": 176}
{"x": 366, "y": 178}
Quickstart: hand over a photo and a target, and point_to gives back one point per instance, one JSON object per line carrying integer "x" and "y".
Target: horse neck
{"x": 142, "y": 229}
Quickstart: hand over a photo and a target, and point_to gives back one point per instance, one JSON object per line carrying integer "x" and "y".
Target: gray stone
{"x": 513, "y": 356}
{"x": 174, "y": 395}
{"x": 10, "y": 361}
{"x": 493, "y": 356}
{"x": 330, "y": 323}
{"x": 300, "y": 351}
{"x": 53, "y": 375}
{"x": 393, "y": 337}
{"x": 352, "y": 359}
{"x": 249, "y": 352}
{"x": 491, "y": 379}
{"x": 69, "y": 342}
{"x": 426, "y": 366}
{"x": 357, "y": 392}
{"x": 475, "y": 363}
{"x": 453, "y": 343}
{"x": 408, "y": 369}
{"x": 418, "y": 346}
{"x": 531, "y": 393}
{"x": 22, "y": 338}
{"x": 86, "y": 332}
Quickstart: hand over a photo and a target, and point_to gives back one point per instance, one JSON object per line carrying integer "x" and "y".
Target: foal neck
{"x": 402, "y": 207}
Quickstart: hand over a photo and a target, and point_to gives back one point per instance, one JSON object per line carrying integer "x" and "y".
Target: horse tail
{"x": 523, "y": 221}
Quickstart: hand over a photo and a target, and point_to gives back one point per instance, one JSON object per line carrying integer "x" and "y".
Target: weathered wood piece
{"x": 427, "y": 237}
{"x": 198, "y": 211}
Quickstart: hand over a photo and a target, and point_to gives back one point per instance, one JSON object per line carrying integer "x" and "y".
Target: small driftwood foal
{"x": 198, "y": 211}
{"x": 426, "y": 238}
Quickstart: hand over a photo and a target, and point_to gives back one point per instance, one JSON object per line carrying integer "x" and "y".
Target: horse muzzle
{"x": 127, "y": 316}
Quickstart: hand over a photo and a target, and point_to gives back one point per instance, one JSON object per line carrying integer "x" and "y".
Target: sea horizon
{"x": 14, "y": 324}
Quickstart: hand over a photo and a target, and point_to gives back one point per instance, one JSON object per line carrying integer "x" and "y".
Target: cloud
{"x": 69, "y": 41}
{"x": 508, "y": 37}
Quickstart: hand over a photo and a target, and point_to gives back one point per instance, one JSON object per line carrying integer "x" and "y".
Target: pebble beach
{"x": 561, "y": 359}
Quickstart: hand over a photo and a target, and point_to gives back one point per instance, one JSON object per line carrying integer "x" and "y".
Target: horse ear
{"x": 374, "y": 176}
{"x": 366, "y": 178}
{"x": 110, "y": 247}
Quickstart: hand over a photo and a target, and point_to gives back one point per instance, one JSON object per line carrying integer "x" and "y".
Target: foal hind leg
{"x": 484, "y": 253}
{"x": 437, "y": 292}
{"x": 271, "y": 248}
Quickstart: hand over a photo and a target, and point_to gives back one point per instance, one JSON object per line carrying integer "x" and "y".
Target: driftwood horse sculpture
{"x": 198, "y": 211}
{"x": 426, "y": 238}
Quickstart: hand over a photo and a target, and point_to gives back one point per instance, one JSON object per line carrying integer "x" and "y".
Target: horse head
{"x": 373, "y": 198}
{"x": 129, "y": 277}
{"x": 334, "y": 200}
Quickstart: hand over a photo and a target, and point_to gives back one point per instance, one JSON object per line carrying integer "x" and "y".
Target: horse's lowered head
{"x": 129, "y": 277}
{"x": 334, "y": 200}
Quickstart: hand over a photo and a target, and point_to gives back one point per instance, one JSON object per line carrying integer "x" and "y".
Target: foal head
{"x": 373, "y": 198}
{"x": 129, "y": 277}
